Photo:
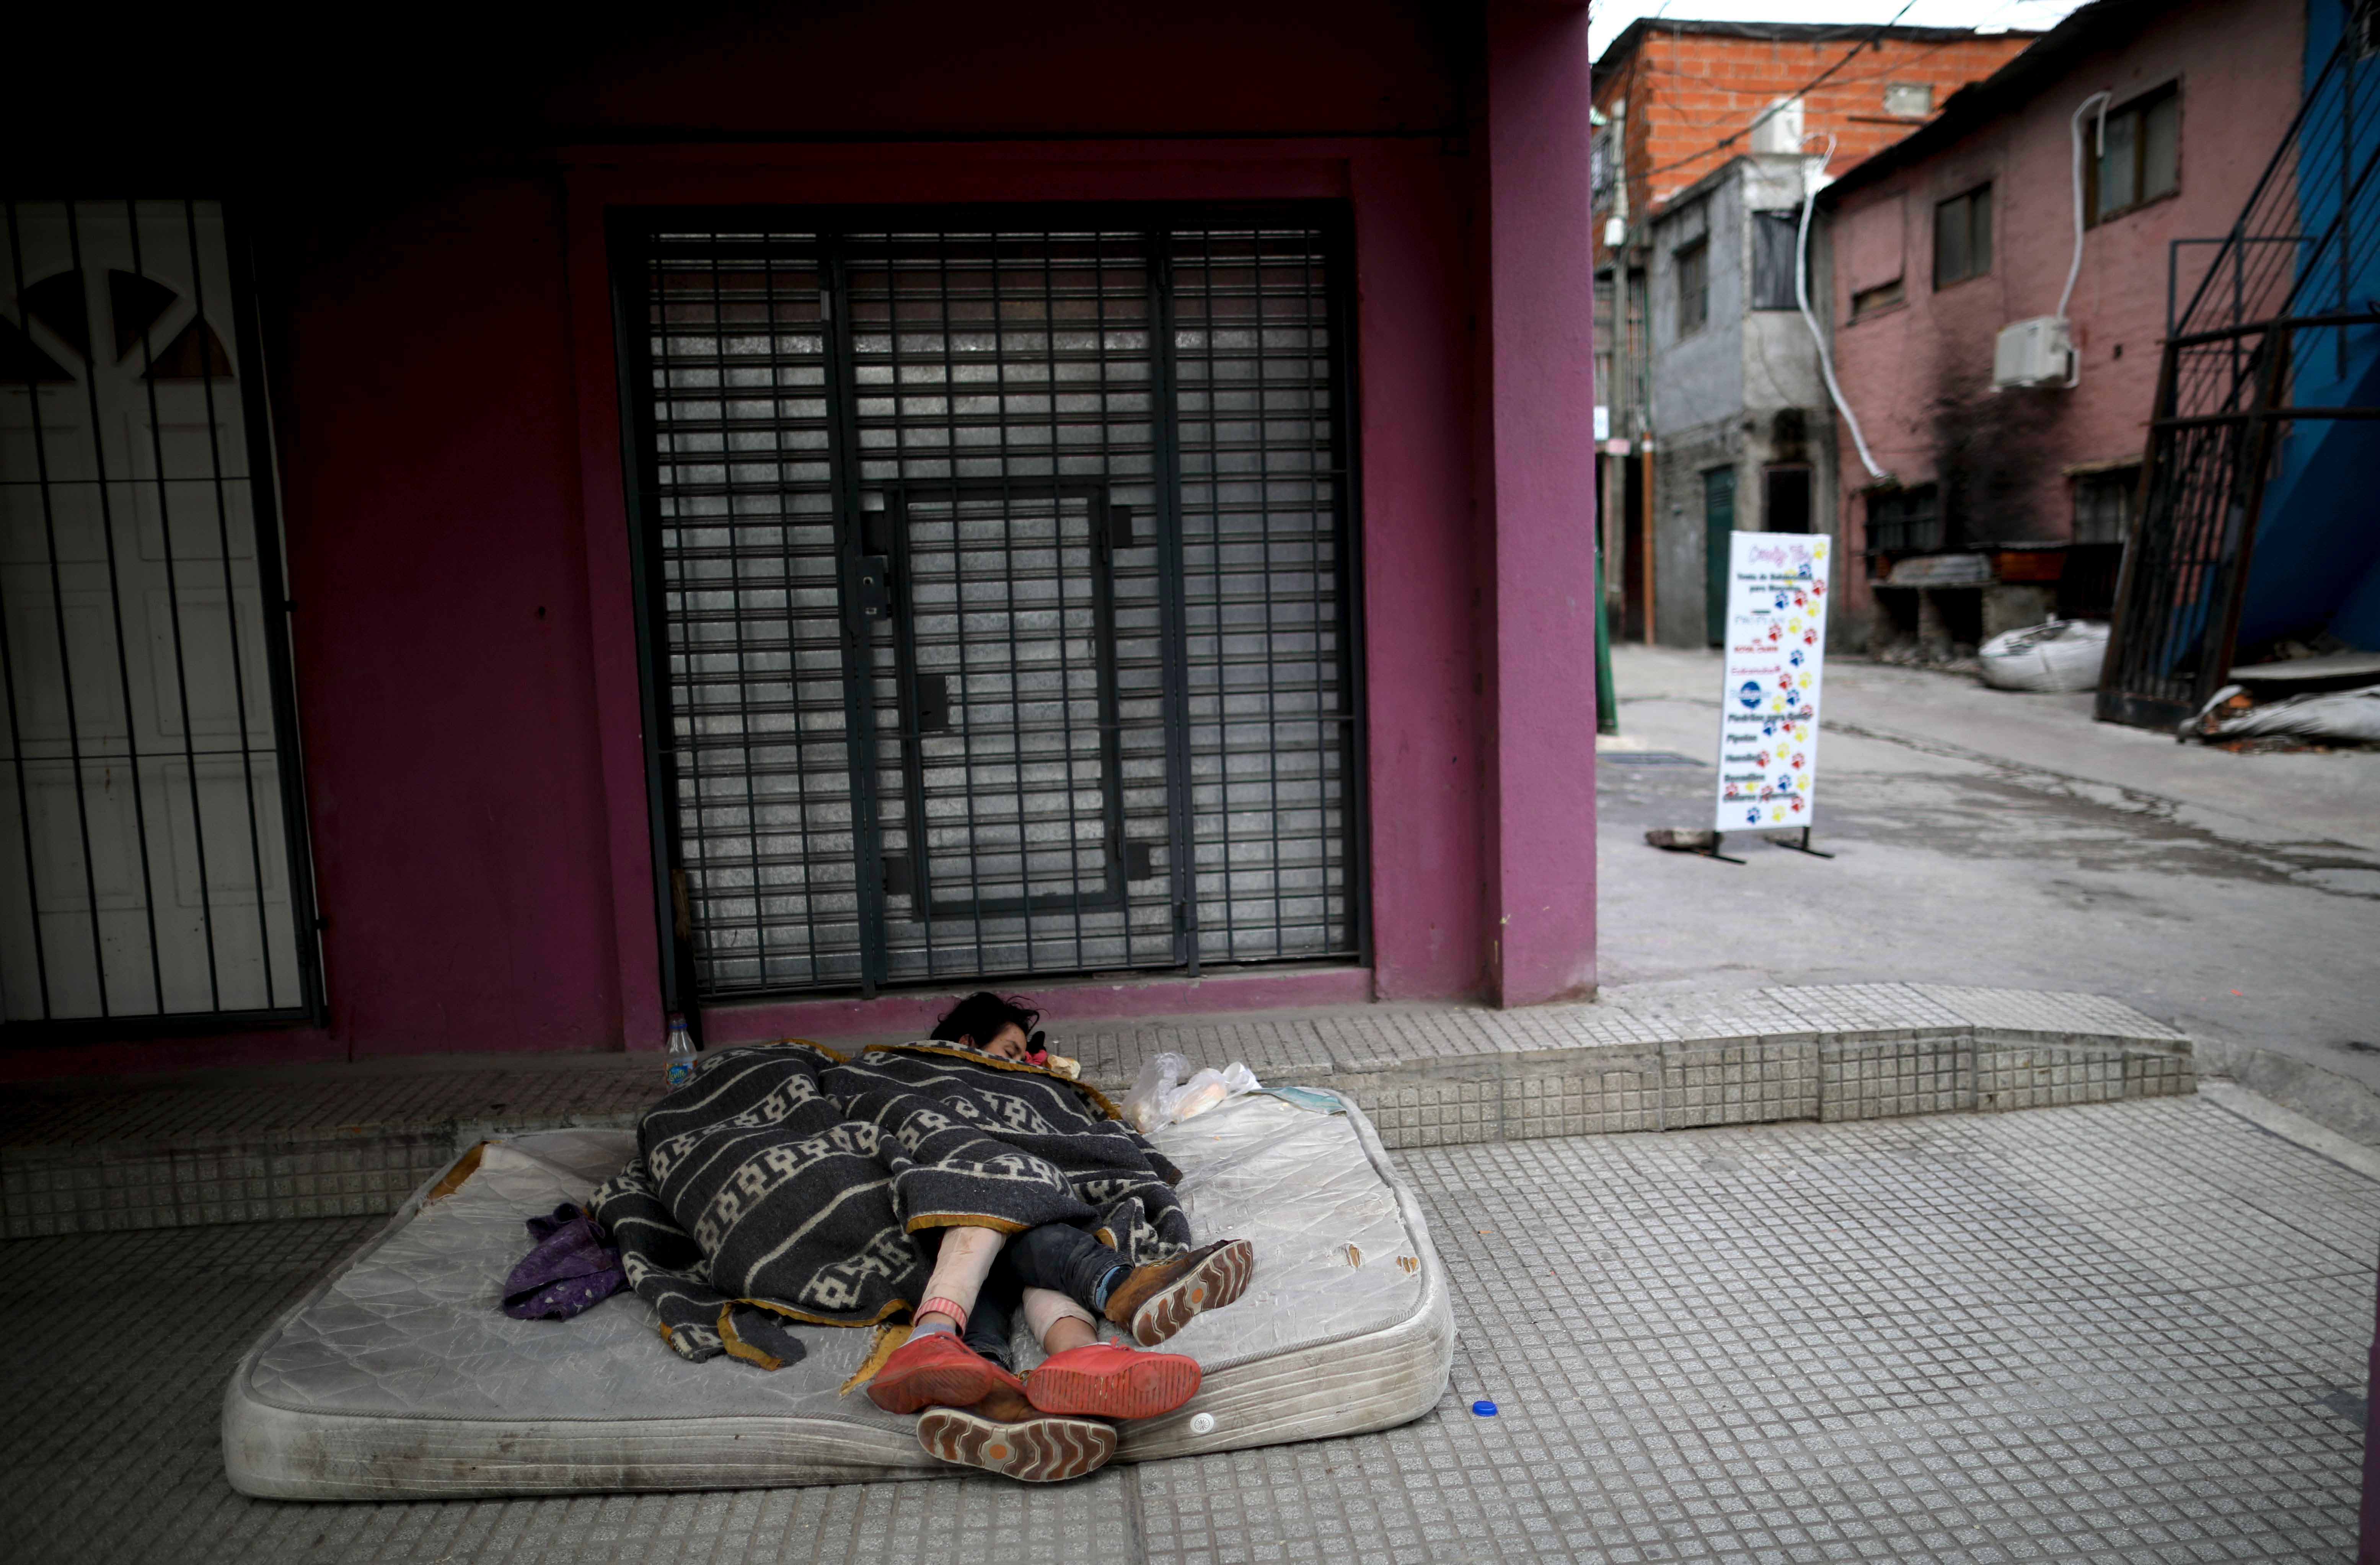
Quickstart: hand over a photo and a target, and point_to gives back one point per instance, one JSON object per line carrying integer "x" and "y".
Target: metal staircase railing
{"x": 2295, "y": 277}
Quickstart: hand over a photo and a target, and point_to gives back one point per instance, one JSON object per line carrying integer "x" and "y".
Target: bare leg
{"x": 1058, "y": 1322}
{"x": 959, "y": 1269}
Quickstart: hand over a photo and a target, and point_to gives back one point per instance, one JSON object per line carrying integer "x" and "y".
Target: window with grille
{"x": 1904, "y": 520}
{"x": 152, "y": 860}
{"x": 1055, "y": 520}
{"x": 2103, "y": 505}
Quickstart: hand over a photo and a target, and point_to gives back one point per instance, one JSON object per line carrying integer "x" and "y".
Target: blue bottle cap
{"x": 1483, "y": 1408}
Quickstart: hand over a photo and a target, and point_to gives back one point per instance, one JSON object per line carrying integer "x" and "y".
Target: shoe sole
{"x": 1212, "y": 1284}
{"x": 938, "y": 1385}
{"x": 1151, "y": 1385}
{"x": 1038, "y": 1450}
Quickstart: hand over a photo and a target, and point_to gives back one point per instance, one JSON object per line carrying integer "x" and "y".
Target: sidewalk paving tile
{"x": 1960, "y": 1339}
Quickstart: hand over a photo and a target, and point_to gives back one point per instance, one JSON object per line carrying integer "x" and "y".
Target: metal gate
{"x": 152, "y": 862}
{"x": 1057, "y": 521}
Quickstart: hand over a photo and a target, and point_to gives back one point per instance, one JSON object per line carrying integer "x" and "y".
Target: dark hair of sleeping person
{"x": 981, "y": 1015}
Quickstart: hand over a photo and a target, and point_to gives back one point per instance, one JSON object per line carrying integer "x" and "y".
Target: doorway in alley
{"x": 1718, "y": 532}
{"x": 1785, "y": 498}
{"x": 997, "y": 593}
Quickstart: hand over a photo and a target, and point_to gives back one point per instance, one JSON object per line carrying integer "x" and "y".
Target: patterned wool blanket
{"x": 785, "y": 1183}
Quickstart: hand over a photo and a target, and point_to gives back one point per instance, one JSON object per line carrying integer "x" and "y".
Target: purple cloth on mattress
{"x": 572, "y": 1268}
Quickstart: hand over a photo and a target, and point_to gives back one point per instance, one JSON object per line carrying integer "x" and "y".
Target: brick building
{"x": 1675, "y": 103}
{"x": 2011, "y": 499}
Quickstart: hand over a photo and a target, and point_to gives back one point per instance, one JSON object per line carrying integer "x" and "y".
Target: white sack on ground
{"x": 2340, "y": 716}
{"x": 2057, "y": 656}
{"x": 1162, "y": 1096}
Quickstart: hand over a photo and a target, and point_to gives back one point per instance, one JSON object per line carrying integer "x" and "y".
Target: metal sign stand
{"x": 1802, "y": 846}
{"x": 1718, "y": 840}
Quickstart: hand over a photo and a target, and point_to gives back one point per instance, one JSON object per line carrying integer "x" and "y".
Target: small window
{"x": 1914, "y": 99}
{"x": 1776, "y": 238}
{"x": 2103, "y": 505}
{"x": 2140, "y": 158}
{"x": 1901, "y": 521}
{"x": 1869, "y": 301}
{"x": 1693, "y": 286}
{"x": 1962, "y": 237}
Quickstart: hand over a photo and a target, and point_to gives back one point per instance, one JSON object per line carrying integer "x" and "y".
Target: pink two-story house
{"x": 1979, "y": 507}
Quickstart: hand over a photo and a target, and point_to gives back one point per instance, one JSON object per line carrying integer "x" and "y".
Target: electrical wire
{"x": 1810, "y": 187}
{"x": 1873, "y": 33}
{"x": 1900, "y": 67}
{"x": 2074, "y": 269}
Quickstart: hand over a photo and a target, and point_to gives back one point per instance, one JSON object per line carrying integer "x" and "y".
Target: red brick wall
{"x": 1686, "y": 91}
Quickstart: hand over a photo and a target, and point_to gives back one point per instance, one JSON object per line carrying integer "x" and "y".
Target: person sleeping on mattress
{"x": 956, "y": 1368}
{"x": 960, "y": 1181}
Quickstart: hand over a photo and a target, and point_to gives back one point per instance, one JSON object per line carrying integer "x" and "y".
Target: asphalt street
{"x": 1984, "y": 837}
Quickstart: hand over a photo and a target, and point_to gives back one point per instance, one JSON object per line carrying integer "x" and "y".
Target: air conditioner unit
{"x": 2039, "y": 352}
{"x": 1778, "y": 128}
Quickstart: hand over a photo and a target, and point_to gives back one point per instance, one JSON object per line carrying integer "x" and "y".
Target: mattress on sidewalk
{"x": 401, "y": 1377}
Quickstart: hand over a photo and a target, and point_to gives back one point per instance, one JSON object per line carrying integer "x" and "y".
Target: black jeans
{"x": 1057, "y": 1256}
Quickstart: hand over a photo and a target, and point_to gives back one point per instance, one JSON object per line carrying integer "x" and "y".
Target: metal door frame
{"x": 898, "y": 587}
{"x": 627, "y": 232}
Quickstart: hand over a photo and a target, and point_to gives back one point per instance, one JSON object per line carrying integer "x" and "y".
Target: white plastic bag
{"x": 1207, "y": 1089}
{"x": 2338, "y": 716}
{"x": 1159, "y": 1078}
{"x": 1159, "y": 1097}
{"x": 2059, "y": 655}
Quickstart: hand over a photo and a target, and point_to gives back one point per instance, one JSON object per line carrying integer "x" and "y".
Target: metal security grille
{"x": 153, "y": 864}
{"x": 1056, "y": 522}
{"x": 2261, "y": 353}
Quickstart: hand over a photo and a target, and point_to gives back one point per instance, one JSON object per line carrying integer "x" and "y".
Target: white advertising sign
{"x": 1776, "y": 653}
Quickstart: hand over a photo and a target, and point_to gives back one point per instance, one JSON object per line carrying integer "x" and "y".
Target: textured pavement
{"x": 266, "y": 1146}
{"x": 2125, "y": 1332}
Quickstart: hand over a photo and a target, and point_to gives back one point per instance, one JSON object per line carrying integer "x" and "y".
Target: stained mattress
{"x": 400, "y": 1377}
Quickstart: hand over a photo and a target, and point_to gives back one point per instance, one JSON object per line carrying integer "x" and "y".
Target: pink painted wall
{"x": 1538, "y": 320}
{"x": 448, "y": 425}
{"x": 437, "y": 545}
{"x": 2238, "y": 71}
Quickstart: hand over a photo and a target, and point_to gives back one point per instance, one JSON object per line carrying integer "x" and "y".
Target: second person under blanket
{"x": 784, "y": 1182}
{"x": 956, "y": 1368}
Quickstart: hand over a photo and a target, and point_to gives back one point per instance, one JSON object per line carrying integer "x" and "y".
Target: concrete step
{"x": 257, "y": 1146}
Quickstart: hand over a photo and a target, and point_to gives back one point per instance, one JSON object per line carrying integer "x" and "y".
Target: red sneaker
{"x": 937, "y": 1370}
{"x": 1105, "y": 1380}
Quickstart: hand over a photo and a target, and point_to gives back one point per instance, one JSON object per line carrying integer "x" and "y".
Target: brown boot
{"x": 1153, "y": 1301}
{"x": 1005, "y": 1434}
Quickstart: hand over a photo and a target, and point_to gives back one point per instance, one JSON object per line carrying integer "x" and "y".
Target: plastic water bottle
{"x": 680, "y": 1057}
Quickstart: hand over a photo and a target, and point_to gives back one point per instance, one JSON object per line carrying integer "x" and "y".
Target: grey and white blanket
{"x": 784, "y": 1183}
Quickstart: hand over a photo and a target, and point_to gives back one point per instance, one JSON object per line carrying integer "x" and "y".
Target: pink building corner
{"x": 462, "y": 838}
